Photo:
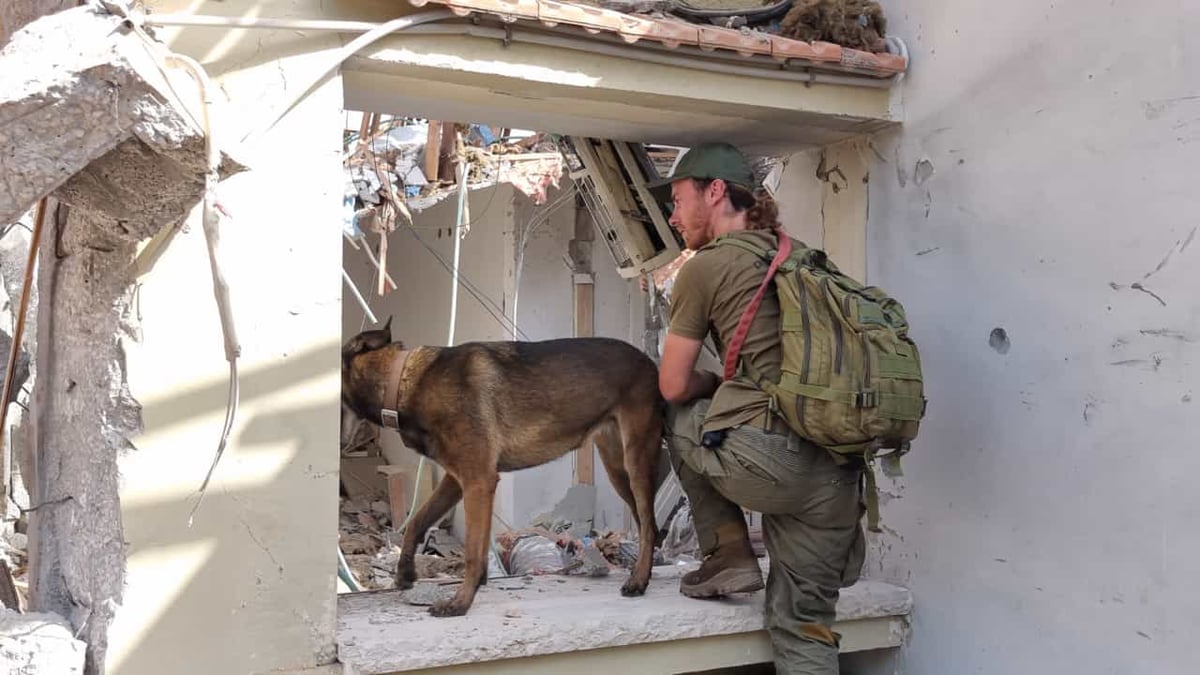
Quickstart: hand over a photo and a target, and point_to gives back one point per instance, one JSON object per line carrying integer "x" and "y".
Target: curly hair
{"x": 762, "y": 213}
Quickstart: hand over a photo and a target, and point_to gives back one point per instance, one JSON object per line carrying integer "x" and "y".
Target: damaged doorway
{"x": 533, "y": 263}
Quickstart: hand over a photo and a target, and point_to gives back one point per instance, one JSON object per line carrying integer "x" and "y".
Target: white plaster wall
{"x": 250, "y": 586}
{"x": 1047, "y": 520}
{"x": 545, "y": 310}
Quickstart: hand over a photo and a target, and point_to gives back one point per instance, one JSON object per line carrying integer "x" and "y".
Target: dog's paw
{"x": 634, "y": 588}
{"x": 444, "y": 608}
{"x": 406, "y": 574}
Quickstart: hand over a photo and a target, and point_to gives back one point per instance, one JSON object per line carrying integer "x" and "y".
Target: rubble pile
{"x": 403, "y": 163}
{"x": 14, "y": 569}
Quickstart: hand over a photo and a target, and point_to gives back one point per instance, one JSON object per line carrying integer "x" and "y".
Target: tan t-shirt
{"x": 710, "y": 294}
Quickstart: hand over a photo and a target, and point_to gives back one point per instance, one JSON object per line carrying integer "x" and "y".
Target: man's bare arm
{"x": 678, "y": 381}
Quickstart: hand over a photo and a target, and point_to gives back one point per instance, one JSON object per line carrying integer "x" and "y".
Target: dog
{"x": 481, "y": 408}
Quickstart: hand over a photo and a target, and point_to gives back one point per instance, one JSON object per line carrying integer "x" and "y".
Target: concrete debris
{"x": 35, "y": 644}
{"x": 102, "y": 125}
{"x": 574, "y": 513}
{"x": 392, "y": 161}
{"x": 372, "y": 550}
{"x": 441, "y": 543}
{"x": 425, "y": 593}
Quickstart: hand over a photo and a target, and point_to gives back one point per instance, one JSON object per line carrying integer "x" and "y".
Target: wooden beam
{"x": 448, "y": 161}
{"x": 433, "y": 149}
{"x": 585, "y": 306}
{"x": 584, "y": 284}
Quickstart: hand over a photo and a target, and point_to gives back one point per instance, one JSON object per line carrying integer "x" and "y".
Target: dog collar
{"x": 390, "y": 417}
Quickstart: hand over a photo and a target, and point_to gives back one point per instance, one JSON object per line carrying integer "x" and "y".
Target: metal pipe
{"x": 22, "y": 311}
{"x": 358, "y": 296}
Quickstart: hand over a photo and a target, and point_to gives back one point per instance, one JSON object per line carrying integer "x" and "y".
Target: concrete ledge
{"x": 552, "y": 622}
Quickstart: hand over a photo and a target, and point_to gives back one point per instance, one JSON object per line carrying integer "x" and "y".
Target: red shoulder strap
{"x": 739, "y": 335}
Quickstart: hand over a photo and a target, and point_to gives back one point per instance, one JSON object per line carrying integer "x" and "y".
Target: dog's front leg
{"x": 444, "y": 497}
{"x": 478, "y": 495}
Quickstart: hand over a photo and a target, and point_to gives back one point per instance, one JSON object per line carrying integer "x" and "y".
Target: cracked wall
{"x": 1036, "y": 217}
{"x": 84, "y": 418}
{"x": 250, "y": 586}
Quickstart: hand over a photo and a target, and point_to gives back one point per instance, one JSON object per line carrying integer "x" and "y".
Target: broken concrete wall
{"x": 15, "y": 15}
{"x": 103, "y": 122}
{"x": 85, "y": 417}
{"x": 36, "y": 644}
{"x": 102, "y": 125}
{"x": 1037, "y": 216}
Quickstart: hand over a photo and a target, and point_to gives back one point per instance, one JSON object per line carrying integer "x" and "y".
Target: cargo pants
{"x": 811, "y": 510}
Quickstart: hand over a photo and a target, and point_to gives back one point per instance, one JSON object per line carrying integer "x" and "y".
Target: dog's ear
{"x": 387, "y": 327}
{"x": 366, "y": 341}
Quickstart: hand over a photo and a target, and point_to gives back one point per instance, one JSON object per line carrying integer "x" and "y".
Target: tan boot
{"x": 728, "y": 569}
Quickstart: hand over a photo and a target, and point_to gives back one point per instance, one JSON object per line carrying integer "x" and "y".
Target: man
{"x": 728, "y": 448}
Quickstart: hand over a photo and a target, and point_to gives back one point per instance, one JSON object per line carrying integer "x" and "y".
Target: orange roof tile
{"x": 672, "y": 33}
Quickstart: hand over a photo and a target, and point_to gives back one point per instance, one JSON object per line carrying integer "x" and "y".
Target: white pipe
{"x": 458, "y": 235}
{"x": 701, "y": 61}
{"x": 354, "y": 46}
{"x": 359, "y": 297}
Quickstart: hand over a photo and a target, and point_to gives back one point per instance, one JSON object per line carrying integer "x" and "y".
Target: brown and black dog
{"x": 484, "y": 407}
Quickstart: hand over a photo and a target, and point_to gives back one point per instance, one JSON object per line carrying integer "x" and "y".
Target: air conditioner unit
{"x": 612, "y": 177}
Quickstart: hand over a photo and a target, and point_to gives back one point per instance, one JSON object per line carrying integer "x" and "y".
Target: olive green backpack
{"x": 851, "y": 377}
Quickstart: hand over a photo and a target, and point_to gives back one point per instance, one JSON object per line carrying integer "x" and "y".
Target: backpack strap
{"x": 743, "y": 327}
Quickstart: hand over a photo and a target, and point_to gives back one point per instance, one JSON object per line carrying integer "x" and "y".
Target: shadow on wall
{"x": 256, "y": 571}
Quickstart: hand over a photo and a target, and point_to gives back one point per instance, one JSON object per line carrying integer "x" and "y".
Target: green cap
{"x": 707, "y": 161}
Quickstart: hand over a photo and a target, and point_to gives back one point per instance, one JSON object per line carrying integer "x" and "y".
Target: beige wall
{"x": 822, "y": 197}
{"x": 249, "y": 587}
{"x": 1046, "y": 521}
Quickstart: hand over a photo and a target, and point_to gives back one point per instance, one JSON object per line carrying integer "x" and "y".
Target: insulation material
{"x": 857, "y": 24}
{"x": 532, "y": 175}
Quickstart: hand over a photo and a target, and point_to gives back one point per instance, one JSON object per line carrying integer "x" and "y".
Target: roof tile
{"x": 673, "y": 32}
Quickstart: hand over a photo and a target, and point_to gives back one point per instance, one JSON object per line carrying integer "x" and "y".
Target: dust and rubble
{"x": 560, "y": 542}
